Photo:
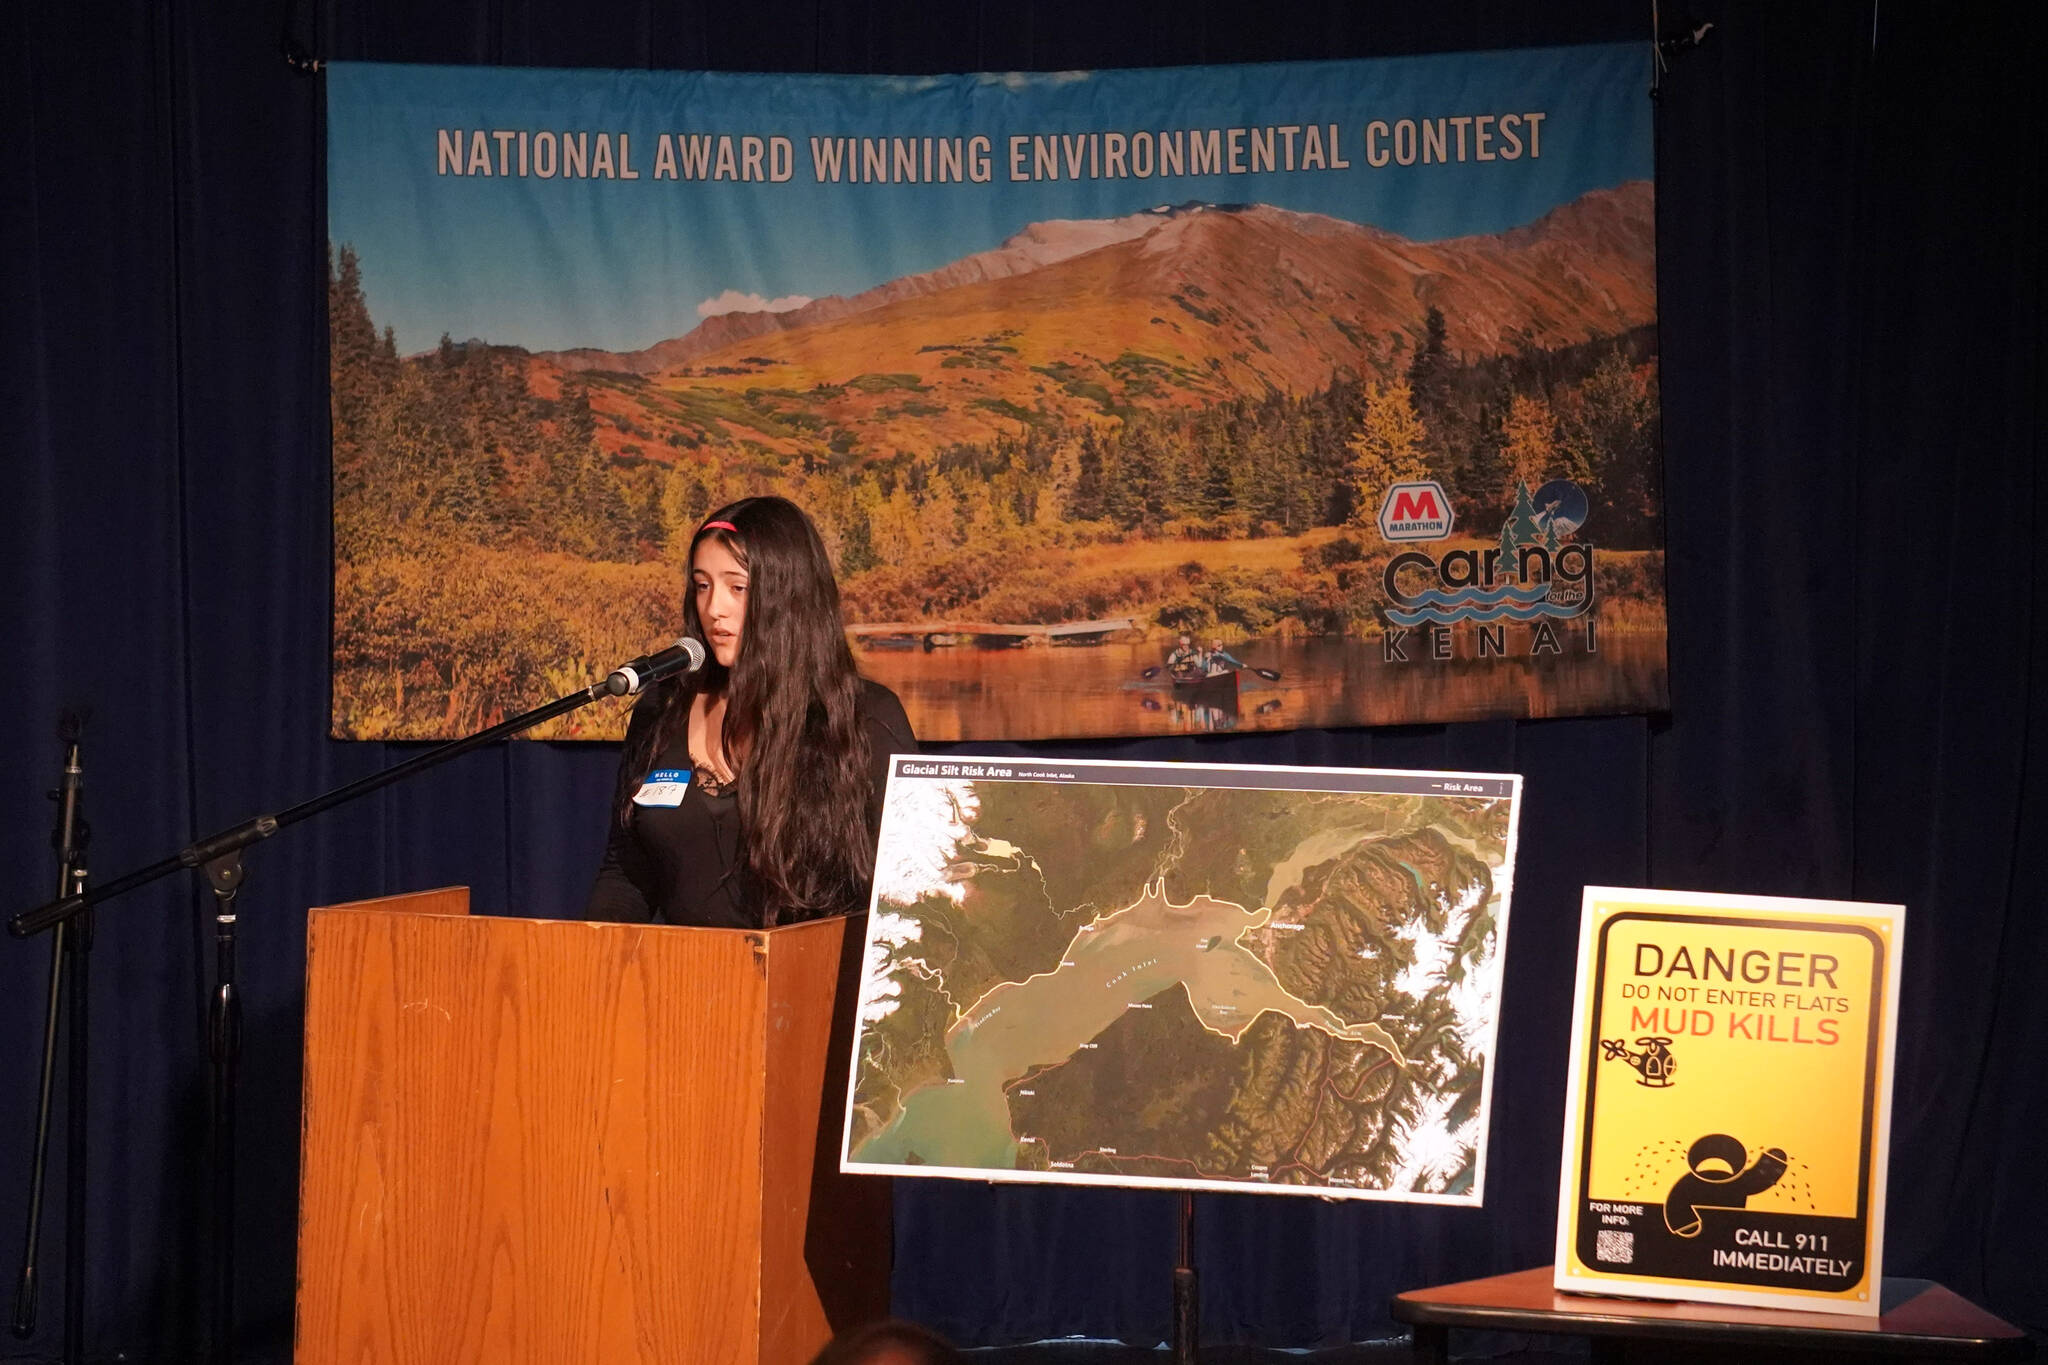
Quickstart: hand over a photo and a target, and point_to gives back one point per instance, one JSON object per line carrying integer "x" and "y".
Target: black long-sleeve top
{"x": 682, "y": 864}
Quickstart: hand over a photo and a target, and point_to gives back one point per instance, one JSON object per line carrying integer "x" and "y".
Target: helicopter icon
{"x": 1654, "y": 1064}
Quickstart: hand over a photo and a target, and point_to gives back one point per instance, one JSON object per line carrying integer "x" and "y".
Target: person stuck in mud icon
{"x": 1719, "y": 1176}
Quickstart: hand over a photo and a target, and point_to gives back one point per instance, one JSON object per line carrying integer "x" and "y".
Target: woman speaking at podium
{"x": 750, "y": 793}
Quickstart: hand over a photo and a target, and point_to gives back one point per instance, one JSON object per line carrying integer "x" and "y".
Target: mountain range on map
{"x": 1176, "y": 306}
{"x": 1290, "y": 989}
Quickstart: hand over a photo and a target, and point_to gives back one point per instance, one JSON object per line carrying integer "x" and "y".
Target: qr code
{"x": 1615, "y": 1248}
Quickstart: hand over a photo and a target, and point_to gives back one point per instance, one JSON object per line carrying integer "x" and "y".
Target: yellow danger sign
{"x": 1730, "y": 1099}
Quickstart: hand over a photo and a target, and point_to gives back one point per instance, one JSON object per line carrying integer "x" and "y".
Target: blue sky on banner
{"x": 617, "y": 263}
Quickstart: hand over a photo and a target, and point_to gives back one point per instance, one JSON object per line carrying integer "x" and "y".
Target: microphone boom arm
{"x": 239, "y": 836}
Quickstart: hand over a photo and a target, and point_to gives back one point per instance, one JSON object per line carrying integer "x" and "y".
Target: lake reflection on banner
{"x": 1083, "y": 691}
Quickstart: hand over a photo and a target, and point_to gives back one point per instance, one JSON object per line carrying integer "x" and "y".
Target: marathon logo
{"x": 1416, "y": 511}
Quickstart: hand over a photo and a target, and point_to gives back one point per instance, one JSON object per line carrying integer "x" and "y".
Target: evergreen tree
{"x": 1609, "y": 428}
{"x": 1518, "y": 530}
{"x": 1429, "y": 369}
{"x": 683, "y": 508}
{"x": 1016, "y": 492}
{"x": 1145, "y": 471}
{"x": 857, "y": 542}
{"x": 1085, "y": 501}
{"x": 359, "y": 370}
{"x": 1304, "y": 490}
{"x": 1260, "y": 461}
{"x": 591, "y": 518}
{"x": 1431, "y": 372}
{"x": 1122, "y": 503}
{"x": 1218, "y": 494}
{"x": 1056, "y": 494}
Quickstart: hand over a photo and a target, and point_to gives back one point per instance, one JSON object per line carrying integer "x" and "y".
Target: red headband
{"x": 719, "y": 526}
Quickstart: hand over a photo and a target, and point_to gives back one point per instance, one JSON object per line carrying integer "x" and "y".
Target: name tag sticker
{"x": 663, "y": 787}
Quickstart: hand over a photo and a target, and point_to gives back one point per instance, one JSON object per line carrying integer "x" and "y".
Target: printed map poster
{"x": 1730, "y": 1099}
{"x": 1346, "y": 372}
{"x": 1184, "y": 975}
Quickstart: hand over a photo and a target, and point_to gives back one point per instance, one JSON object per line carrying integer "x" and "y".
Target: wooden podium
{"x": 553, "y": 1141}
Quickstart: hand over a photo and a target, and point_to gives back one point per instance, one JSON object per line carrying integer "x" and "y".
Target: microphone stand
{"x": 70, "y": 947}
{"x": 220, "y": 856}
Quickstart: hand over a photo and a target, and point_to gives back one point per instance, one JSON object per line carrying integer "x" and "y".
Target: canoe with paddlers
{"x": 1217, "y": 689}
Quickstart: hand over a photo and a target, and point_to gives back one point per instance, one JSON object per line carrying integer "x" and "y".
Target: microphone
{"x": 684, "y": 656}
{"x": 71, "y": 723}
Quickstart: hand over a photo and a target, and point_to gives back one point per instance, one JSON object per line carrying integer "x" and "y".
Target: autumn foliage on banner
{"x": 509, "y": 523}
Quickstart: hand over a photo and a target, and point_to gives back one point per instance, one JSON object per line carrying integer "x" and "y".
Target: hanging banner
{"x": 1127, "y": 402}
{"x": 1730, "y": 1100}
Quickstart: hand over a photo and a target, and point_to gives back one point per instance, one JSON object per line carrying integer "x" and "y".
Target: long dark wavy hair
{"x": 792, "y": 724}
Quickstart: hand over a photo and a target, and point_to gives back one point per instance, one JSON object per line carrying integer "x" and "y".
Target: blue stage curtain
{"x": 1851, "y": 228}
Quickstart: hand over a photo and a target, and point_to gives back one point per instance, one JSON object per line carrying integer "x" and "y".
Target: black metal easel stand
{"x": 1187, "y": 1291}
{"x": 220, "y": 855}
{"x": 69, "y": 999}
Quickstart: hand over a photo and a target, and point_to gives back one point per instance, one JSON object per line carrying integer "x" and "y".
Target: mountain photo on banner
{"x": 1379, "y": 438}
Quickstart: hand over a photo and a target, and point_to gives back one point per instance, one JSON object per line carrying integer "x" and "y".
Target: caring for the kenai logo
{"x": 1539, "y": 576}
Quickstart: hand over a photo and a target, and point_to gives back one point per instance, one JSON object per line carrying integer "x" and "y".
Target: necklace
{"x": 706, "y": 731}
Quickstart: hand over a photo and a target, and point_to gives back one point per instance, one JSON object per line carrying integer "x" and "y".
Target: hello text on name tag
{"x": 663, "y": 787}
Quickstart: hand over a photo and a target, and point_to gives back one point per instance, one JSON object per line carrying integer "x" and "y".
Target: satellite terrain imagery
{"x": 1184, "y": 975}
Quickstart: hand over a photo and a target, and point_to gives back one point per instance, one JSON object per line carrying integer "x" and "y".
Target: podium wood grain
{"x": 551, "y": 1141}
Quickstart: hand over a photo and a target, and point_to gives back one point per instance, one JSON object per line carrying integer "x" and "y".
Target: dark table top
{"x": 1918, "y": 1317}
